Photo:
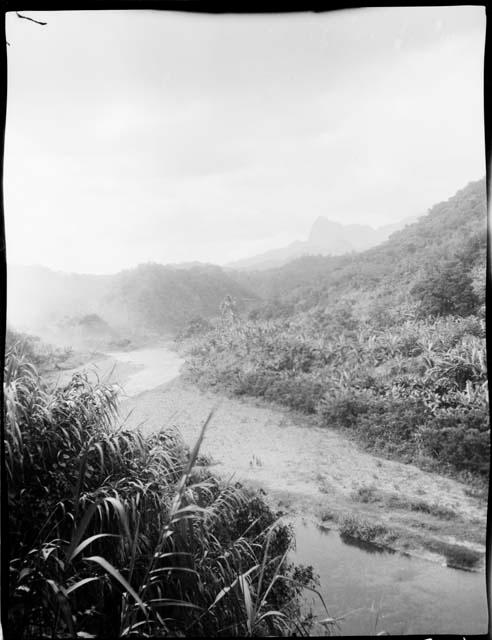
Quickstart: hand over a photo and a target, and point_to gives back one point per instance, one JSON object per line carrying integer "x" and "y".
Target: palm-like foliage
{"x": 389, "y": 383}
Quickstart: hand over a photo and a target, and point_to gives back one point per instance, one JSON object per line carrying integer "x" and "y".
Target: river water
{"x": 377, "y": 590}
{"x": 373, "y": 590}
{"x": 157, "y": 365}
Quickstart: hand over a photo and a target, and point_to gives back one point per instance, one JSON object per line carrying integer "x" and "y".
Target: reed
{"x": 110, "y": 533}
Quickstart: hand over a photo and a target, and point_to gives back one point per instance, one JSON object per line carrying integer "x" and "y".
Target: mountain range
{"x": 453, "y": 231}
{"x": 325, "y": 238}
{"x": 154, "y": 299}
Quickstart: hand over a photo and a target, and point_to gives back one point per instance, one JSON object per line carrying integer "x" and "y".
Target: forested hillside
{"x": 448, "y": 245}
{"x": 162, "y": 298}
{"x": 388, "y": 345}
{"x": 151, "y": 298}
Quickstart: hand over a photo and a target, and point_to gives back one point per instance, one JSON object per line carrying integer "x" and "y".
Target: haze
{"x": 140, "y": 136}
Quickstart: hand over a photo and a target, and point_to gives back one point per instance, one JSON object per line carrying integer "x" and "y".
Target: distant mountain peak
{"x": 326, "y": 237}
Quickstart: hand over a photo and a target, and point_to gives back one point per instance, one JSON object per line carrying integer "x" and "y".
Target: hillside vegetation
{"x": 451, "y": 238}
{"x": 388, "y": 345}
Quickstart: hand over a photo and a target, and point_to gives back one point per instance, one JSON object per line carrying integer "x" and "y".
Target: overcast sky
{"x": 160, "y": 136}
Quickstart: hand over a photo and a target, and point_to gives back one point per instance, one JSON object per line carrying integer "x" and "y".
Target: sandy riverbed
{"x": 305, "y": 469}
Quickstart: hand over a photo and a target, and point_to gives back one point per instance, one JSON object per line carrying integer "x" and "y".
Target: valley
{"x": 346, "y": 395}
{"x": 245, "y": 378}
{"x": 318, "y": 479}
{"x": 305, "y": 469}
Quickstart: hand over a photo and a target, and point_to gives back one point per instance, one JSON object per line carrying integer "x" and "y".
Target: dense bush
{"x": 447, "y": 289}
{"x": 113, "y": 534}
{"x": 460, "y": 437}
{"x": 194, "y": 327}
{"x": 416, "y": 390}
{"x": 382, "y": 423}
{"x": 353, "y": 526}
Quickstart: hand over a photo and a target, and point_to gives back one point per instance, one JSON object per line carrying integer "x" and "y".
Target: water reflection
{"x": 375, "y": 590}
{"x": 368, "y": 547}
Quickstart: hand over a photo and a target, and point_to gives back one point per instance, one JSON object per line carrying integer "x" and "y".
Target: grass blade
{"x": 117, "y": 576}
{"x": 85, "y": 543}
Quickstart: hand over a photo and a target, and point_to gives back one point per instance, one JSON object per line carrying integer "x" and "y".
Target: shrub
{"x": 345, "y": 408}
{"x": 462, "y": 557}
{"x": 445, "y": 290}
{"x": 194, "y": 327}
{"x": 366, "y": 494}
{"x": 460, "y": 437}
{"x": 403, "y": 502}
{"x": 327, "y": 515}
{"x": 457, "y": 556}
{"x": 354, "y": 526}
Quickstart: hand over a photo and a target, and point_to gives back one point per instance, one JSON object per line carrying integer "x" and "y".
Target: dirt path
{"x": 314, "y": 471}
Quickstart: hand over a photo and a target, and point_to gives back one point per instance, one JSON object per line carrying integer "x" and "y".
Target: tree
{"x": 446, "y": 290}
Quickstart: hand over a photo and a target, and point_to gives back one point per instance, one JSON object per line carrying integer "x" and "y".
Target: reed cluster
{"x": 114, "y": 534}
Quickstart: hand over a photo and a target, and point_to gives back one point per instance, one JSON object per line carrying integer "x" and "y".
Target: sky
{"x": 145, "y": 136}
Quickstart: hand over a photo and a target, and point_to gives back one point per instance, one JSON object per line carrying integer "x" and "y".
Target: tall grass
{"x": 115, "y": 534}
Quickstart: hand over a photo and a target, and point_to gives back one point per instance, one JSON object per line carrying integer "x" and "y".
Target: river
{"x": 373, "y": 590}
{"x": 381, "y": 591}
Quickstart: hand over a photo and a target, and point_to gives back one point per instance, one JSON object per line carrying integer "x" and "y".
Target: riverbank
{"x": 307, "y": 471}
{"x": 316, "y": 472}
{"x": 325, "y": 485}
